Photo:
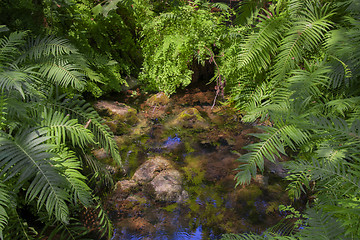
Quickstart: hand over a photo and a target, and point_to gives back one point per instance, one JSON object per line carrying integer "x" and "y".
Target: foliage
{"x": 44, "y": 134}
{"x": 296, "y": 75}
{"x": 174, "y": 40}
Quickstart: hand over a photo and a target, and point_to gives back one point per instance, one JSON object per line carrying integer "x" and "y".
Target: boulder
{"x": 162, "y": 178}
{"x": 158, "y": 100}
{"x": 261, "y": 180}
{"x": 150, "y": 169}
{"x": 126, "y": 185}
{"x": 119, "y": 112}
{"x": 168, "y": 186}
{"x": 189, "y": 118}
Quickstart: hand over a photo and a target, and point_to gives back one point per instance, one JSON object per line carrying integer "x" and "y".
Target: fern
{"x": 305, "y": 34}
{"x": 64, "y": 74}
{"x": 62, "y": 128}
{"x": 4, "y": 203}
{"x": 26, "y": 155}
{"x": 80, "y": 191}
{"x": 259, "y": 47}
{"x": 9, "y": 46}
{"x": 272, "y": 144}
{"x": 321, "y": 226}
{"x": 37, "y": 48}
{"x": 81, "y": 110}
{"x": 73, "y": 231}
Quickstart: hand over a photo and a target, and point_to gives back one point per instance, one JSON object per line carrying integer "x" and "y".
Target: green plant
{"x": 173, "y": 40}
{"x": 44, "y": 146}
{"x": 295, "y": 73}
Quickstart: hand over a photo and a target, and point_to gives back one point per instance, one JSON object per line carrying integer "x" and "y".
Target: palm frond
{"x": 27, "y": 155}
{"x": 62, "y": 128}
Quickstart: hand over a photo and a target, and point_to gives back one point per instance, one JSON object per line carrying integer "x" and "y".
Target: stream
{"x": 202, "y": 144}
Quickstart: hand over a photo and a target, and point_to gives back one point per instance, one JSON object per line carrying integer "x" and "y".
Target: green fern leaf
{"x": 272, "y": 142}
{"x": 62, "y": 128}
{"x": 321, "y": 226}
{"x": 27, "y": 155}
{"x": 77, "y": 181}
{"x": 86, "y": 114}
{"x": 4, "y": 204}
{"x": 63, "y": 73}
{"x": 41, "y": 47}
{"x": 306, "y": 34}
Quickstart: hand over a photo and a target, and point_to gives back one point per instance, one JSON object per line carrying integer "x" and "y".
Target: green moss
{"x": 250, "y": 194}
{"x": 171, "y": 207}
{"x": 158, "y": 99}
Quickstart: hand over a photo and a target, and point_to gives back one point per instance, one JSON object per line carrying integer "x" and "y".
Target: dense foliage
{"x": 291, "y": 65}
{"x": 45, "y": 137}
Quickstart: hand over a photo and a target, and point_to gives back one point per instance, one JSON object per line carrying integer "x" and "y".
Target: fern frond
{"x": 306, "y": 34}
{"x": 308, "y": 82}
{"x": 298, "y": 181}
{"x": 72, "y": 231}
{"x": 62, "y": 128}
{"x": 259, "y": 47}
{"x": 272, "y": 142}
{"x": 77, "y": 181}
{"x": 41, "y": 47}
{"x": 4, "y": 204}
{"x": 27, "y": 155}
{"x": 321, "y": 226}
{"x": 9, "y": 46}
{"x": 86, "y": 114}
{"x": 63, "y": 73}
{"x": 14, "y": 78}
{"x": 18, "y": 228}
{"x": 104, "y": 221}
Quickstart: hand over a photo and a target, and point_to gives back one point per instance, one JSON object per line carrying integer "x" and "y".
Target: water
{"x": 203, "y": 153}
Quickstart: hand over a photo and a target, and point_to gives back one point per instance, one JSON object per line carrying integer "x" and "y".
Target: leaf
{"x": 4, "y": 204}
{"x": 26, "y": 156}
{"x": 61, "y": 128}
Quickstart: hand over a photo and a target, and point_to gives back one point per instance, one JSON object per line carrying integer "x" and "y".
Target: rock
{"x": 275, "y": 168}
{"x": 261, "y": 180}
{"x": 100, "y": 154}
{"x": 119, "y": 112}
{"x": 158, "y": 99}
{"x": 164, "y": 181}
{"x": 190, "y": 118}
{"x": 126, "y": 185}
{"x": 150, "y": 169}
{"x": 168, "y": 186}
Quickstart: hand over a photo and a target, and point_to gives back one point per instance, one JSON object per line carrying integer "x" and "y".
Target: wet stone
{"x": 150, "y": 169}
{"x": 126, "y": 185}
{"x": 168, "y": 186}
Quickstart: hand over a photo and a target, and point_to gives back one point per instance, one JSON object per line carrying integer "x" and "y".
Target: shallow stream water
{"x": 204, "y": 149}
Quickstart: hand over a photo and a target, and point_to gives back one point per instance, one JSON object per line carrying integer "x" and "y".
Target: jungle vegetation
{"x": 292, "y": 64}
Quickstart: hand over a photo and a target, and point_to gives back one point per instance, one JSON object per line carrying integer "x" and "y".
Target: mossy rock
{"x": 189, "y": 118}
{"x": 115, "y": 111}
{"x": 158, "y": 99}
